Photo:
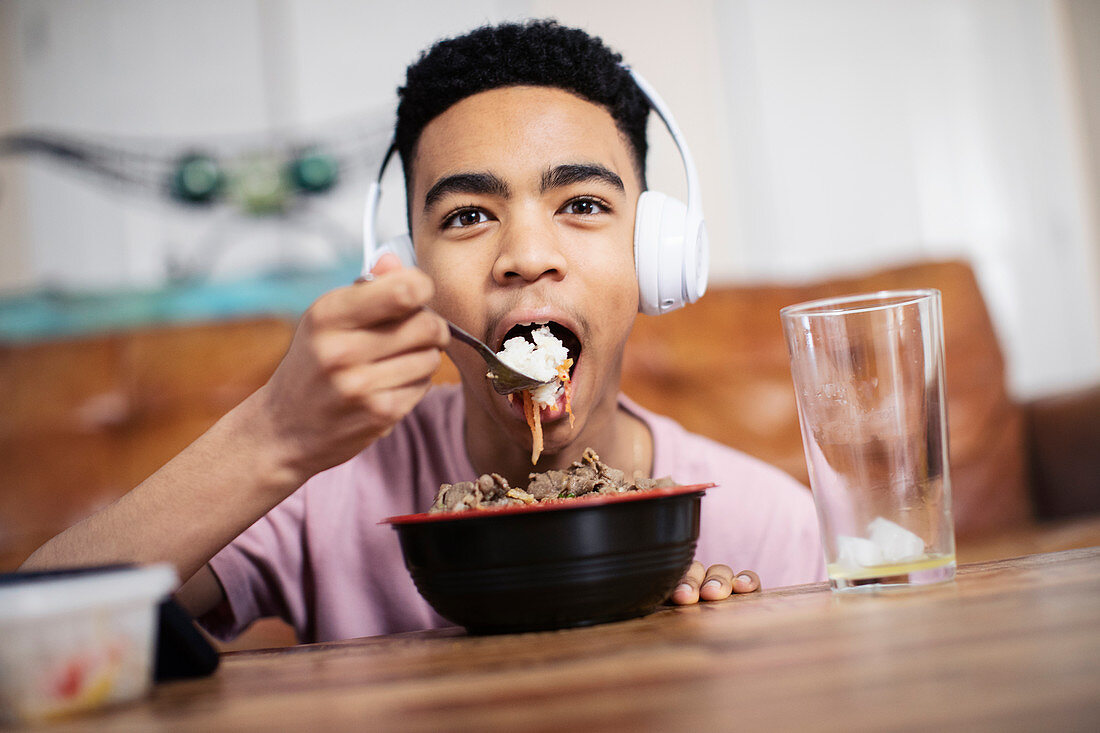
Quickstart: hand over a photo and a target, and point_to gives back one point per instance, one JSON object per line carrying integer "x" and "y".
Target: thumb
{"x": 388, "y": 262}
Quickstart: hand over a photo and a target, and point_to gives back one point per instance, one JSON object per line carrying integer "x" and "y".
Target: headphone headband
{"x": 661, "y": 108}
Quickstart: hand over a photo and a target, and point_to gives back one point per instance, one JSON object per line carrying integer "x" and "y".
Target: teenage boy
{"x": 523, "y": 147}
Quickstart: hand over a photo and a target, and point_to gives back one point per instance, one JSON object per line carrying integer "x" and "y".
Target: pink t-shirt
{"x": 321, "y": 560}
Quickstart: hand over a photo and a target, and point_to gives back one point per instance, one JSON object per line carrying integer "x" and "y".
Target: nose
{"x": 529, "y": 250}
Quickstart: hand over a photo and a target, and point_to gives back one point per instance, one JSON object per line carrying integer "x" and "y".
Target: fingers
{"x": 424, "y": 329}
{"x": 357, "y": 384}
{"x": 339, "y": 349}
{"x": 687, "y": 592}
{"x": 387, "y": 407}
{"x": 712, "y": 584}
{"x": 386, "y": 263}
{"x": 717, "y": 584}
{"x": 391, "y": 296}
{"x": 361, "y": 358}
{"x": 746, "y": 582}
{"x": 372, "y": 414}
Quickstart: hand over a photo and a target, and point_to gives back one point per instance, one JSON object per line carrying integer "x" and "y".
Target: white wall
{"x": 125, "y": 69}
{"x": 14, "y": 269}
{"x": 869, "y": 131}
{"x": 830, "y": 136}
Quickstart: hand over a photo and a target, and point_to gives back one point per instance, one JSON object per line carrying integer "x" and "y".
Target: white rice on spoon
{"x": 538, "y": 360}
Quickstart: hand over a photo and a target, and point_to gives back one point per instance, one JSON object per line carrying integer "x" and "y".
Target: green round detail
{"x": 197, "y": 179}
{"x": 314, "y": 172}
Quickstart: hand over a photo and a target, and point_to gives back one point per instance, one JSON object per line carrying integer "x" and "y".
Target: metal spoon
{"x": 505, "y": 379}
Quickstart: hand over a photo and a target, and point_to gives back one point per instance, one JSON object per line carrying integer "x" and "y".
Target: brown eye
{"x": 584, "y": 207}
{"x": 466, "y": 218}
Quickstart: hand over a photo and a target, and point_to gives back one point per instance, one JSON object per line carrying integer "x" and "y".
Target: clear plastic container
{"x": 70, "y": 643}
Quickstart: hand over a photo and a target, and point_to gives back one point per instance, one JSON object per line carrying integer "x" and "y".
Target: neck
{"x": 622, "y": 441}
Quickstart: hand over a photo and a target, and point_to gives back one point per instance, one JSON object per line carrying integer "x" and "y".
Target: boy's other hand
{"x": 712, "y": 584}
{"x": 360, "y": 360}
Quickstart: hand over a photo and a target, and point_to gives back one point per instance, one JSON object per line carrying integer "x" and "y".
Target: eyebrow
{"x": 472, "y": 183}
{"x": 570, "y": 173}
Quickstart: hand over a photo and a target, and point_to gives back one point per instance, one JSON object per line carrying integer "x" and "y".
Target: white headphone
{"x": 671, "y": 252}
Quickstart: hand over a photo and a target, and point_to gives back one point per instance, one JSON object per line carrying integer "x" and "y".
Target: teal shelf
{"x": 48, "y": 315}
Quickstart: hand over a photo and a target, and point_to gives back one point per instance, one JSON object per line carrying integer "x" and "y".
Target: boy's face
{"x": 522, "y": 207}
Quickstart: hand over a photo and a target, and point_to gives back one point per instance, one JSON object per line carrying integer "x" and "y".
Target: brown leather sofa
{"x": 1063, "y": 436}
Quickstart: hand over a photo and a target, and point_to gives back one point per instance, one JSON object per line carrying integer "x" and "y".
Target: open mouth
{"x": 568, "y": 339}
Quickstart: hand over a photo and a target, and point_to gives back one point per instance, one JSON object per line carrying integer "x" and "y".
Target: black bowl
{"x": 551, "y": 566}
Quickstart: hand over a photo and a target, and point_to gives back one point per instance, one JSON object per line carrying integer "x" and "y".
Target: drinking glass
{"x": 868, "y": 378}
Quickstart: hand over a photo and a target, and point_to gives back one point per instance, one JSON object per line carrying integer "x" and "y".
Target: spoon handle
{"x": 466, "y": 338}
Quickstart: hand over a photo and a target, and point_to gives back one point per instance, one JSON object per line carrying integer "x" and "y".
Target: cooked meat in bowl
{"x": 587, "y": 477}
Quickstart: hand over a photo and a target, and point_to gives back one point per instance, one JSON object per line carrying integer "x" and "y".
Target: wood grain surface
{"x": 1011, "y": 645}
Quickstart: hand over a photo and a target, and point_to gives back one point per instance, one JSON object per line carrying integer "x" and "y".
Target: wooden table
{"x": 1011, "y": 645}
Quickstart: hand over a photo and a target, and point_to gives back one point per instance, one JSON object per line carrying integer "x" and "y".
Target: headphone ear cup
{"x": 659, "y": 230}
{"x": 401, "y": 246}
{"x": 697, "y": 262}
{"x": 646, "y": 242}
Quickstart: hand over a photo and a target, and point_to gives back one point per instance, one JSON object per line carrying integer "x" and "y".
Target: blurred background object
{"x": 179, "y": 180}
{"x": 231, "y": 190}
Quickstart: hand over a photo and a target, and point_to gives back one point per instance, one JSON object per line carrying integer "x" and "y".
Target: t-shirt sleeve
{"x": 261, "y": 572}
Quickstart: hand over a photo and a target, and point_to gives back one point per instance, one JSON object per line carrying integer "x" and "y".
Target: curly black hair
{"x": 536, "y": 53}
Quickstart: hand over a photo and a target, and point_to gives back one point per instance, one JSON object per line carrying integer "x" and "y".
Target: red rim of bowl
{"x": 549, "y": 506}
